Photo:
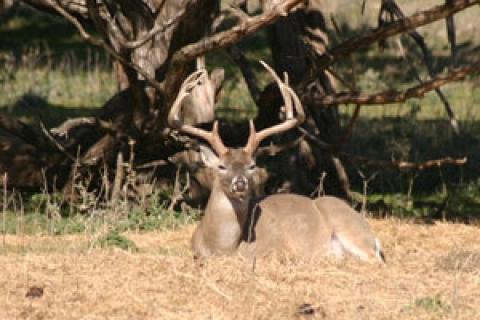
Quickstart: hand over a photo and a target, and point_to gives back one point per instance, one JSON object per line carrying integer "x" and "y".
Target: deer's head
{"x": 235, "y": 168}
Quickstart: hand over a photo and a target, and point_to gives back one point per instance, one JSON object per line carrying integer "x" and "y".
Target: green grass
{"x": 47, "y": 72}
{"x": 50, "y": 214}
{"x": 40, "y": 224}
{"x": 455, "y": 203}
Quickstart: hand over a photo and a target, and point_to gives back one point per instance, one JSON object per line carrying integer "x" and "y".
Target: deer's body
{"x": 312, "y": 228}
{"x": 235, "y": 221}
{"x": 283, "y": 223}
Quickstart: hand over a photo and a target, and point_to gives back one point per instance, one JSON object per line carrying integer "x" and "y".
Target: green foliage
{"x": 114, "y": 239}
{"x": 432, "y": 304}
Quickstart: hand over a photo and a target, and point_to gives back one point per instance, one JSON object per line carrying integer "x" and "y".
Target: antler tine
{"x": 176, "y": 122}
{"x": 291, "y": 101}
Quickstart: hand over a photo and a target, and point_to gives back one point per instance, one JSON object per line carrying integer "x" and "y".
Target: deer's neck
{"x": 223, "y": 220}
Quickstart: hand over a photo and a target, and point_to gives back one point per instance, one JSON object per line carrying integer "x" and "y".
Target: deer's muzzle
{"x": 239, "y": 184}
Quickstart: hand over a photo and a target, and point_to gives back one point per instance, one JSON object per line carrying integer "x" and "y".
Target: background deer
{"x": 234, "y": 220}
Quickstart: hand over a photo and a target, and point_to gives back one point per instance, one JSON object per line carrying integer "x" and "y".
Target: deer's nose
{"x": 239, "y": 184}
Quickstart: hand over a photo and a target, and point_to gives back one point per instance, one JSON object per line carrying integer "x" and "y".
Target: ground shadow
{"x": 446, "y": 192}
{"x": 33, "y": 109}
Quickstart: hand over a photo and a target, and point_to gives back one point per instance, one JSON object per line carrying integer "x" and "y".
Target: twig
{"x": 340, "y": 78}
{"x": 177, "y": 193}
{"x": 157, "y": 28}
{"x": 152, "y": 164}
{"x": 118, "y": 180}
{"x": 4, "y": 207}
{"x": 366, "y": 181}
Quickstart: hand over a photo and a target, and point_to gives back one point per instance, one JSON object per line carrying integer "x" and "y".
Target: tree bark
{"x": 296, "y": 41}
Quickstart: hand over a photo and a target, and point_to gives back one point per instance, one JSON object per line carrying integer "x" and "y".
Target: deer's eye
{"x": 222, "y": 167}
{"x": 251, "y": 167}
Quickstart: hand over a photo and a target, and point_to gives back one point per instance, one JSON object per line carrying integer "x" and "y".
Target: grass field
{"x": 432, "y": 272}
{"x": 133, "y": 261}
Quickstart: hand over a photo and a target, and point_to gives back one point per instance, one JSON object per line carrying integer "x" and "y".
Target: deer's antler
{"x": 175, "y": 120}
{"x": 291, "y": 101}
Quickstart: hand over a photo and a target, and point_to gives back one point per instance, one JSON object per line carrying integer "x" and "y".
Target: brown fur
{"x": 282, "y": 222}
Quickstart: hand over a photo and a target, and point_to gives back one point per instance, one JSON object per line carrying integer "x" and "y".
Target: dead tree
{"x": 155, "y": 44}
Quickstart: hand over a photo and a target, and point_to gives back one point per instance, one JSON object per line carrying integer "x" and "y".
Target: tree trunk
{"x": 295, "y": 42}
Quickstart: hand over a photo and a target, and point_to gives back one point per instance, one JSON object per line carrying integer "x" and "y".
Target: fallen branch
{"x": 69, "y": 124}
{"x": 57, "y": 144}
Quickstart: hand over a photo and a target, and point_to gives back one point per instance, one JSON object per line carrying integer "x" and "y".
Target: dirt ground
{"x": 433, "y": 272}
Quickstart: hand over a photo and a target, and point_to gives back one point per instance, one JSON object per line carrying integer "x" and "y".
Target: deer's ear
{"x": 209, "y": 158}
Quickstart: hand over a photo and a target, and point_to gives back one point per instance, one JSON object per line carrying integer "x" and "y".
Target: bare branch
{"x": 398, "y": 27}
{"x": 64, "y": 129}
{"x": 274, "y": 149}
{"x": 395, "y": 11}
{"x": 393, "y": 96}
{"x": 229, "y": 37}
{"x": 75, "y": 7}
{"x": 55, "y": 142}
{"x": 55, "y": 4}
{"x": 156, "y": 29}
{"x": 384, "y": 163}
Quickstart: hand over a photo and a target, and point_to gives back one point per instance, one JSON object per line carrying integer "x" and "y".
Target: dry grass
{"x": 433, "y": 272}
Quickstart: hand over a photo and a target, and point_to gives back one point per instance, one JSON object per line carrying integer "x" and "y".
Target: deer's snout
{"x": 239, "y": 184}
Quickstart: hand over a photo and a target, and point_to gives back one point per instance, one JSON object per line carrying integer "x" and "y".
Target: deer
{"x": 236, "y": 221}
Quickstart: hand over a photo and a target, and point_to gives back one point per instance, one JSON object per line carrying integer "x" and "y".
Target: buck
{"x": 236, "y": 221}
